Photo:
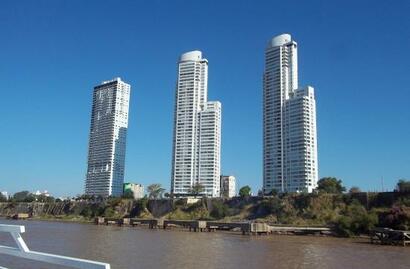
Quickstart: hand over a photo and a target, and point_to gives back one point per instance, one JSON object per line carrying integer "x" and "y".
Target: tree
{"x": 403, "y": 185}
{"x": 245, "y": 191}
{"x": 330, "y": 185}
{"x": 3, "y": 198}
{"x": 44, "y": 199}
{"x": 86, "y": 197}
{"x": 128, "y": 194}
{"x": 355, "y": 189}
{"x": 219, "y": 209}
{"x": 23, "y": 196}
{"x": 197, "y": 189}
{"x": 155, "y": 191}
{"x": 139, "y": 207}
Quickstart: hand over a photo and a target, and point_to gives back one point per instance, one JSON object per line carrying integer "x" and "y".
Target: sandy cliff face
{"x": 38, "y": 209}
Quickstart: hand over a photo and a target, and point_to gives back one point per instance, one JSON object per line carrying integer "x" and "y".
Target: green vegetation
{"x": 128, "y": 194}
{"x": 155, "y": 191}
{"x": 219, "y": 209}
{"x": 355, "y": 219}
{"x": 3, "y": 198}
{"x": 28, "y": 197}
{"x": 354, "y": 189}
{"x": 350, "y": 213}
{"x": 197, "y": 189}
{"x": 245, "y": 191}
{"x": 139, "y": 207}
{"x": 403, "y": 185}
{"x": 330, "y": 185}
{"x": 23, "y": 196}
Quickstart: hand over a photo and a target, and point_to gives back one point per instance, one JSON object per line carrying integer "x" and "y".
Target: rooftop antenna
{"x": 382, "y": 185}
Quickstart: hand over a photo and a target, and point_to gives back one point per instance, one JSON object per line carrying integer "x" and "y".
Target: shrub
{"x": 272, "y": 206}
{"x": 114, "y": 201}
{"x": 86, "y": 212}
{"x": 403, "y": 201}
{"x": 356, "y": 220}
{"x": 180, "y": 202}
{"x": 219, "y": 209}
{"x": 109, "y": 212}
{"x": 195, "y": 206}
{"x": 396, "y": 218}
{"x": 343, "y": 226}
{"x": 139, "y": 207}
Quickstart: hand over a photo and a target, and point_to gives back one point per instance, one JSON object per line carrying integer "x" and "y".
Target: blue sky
{"x": 355, "y": 53}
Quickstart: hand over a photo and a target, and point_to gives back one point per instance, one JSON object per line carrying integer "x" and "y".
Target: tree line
{"x": 156, "y": 191}
{"x": 27, "y": 197}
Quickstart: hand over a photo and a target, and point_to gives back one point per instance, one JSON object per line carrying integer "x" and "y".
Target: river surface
{"x": 129, "y": 248}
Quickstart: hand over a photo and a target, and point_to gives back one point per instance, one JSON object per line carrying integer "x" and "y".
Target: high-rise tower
{"x": 289, "y": 122}
{"x": 197, "y": 130}
{"x": 108, "y": 133}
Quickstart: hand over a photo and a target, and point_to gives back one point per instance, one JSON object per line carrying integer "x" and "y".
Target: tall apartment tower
{"x": 108, "y": 134}
{"x": 197, "y": 130}
{"x": 289, "y": 122}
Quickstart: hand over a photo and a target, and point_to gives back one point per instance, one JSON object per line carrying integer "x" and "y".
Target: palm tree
{"x": 155, "y": 191}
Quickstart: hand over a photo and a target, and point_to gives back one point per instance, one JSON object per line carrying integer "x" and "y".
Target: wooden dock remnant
{"x": 387, "y": 236}
{"x": 152, "y": 223}
{"x": 20, "y": 216}
{"x": 246, "y": 227}
{"x": 299, "y": 230}
{"x": 260, "y": 228}
{"x": 99, "y": 220}
{"x": 195, "y": 225}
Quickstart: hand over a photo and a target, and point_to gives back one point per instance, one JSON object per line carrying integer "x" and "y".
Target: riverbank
{"x": 377, "y": 236}
{"x": 348, "y": 214}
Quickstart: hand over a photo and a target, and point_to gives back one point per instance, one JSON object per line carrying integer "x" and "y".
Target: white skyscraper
{"x": 197, "y": 130}
{"x": 108, "y": 134}
{"x": 289, "y": 122}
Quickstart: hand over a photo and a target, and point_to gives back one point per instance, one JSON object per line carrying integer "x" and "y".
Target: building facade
{"x": 43, "y": 193}
{"x": 197, "y": 130}
{"x": 5, "y": 194}
{"x": 137, "y": 190}
{"x": 108, "y": 134}
{"x": 228, "y": 186}
{"x": 289, "y": 122}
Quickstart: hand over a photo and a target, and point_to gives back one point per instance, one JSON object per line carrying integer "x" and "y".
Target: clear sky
{"x": 52, "y": 53}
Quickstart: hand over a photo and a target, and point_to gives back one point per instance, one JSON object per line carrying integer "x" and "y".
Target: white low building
{"x": 5, "y": 194}
{"x": 136, "y": 189}
{"x": 228, "y": 186}
{"x": 43, "y": 193}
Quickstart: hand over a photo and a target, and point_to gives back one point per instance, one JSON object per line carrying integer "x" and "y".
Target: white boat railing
{"x": 22, "y": 251}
